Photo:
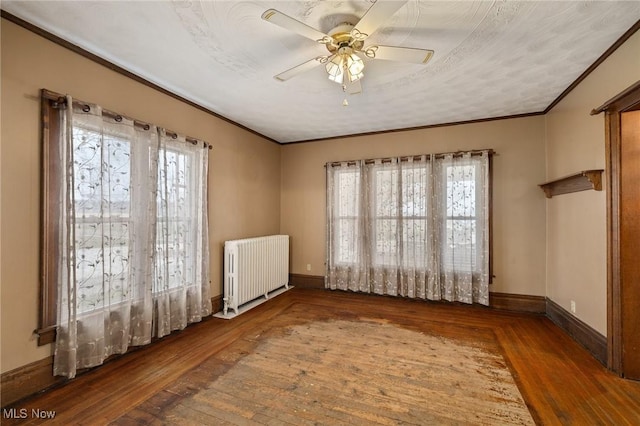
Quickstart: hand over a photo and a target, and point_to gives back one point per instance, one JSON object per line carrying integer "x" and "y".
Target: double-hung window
{"x": 102, "y": 204}
{"x": 462, "y": 242}
{"x": 175, "y": 219}
{"x": 411, "y": 226}
{"x": 125, "y": 233}
{"x": 346, "y": 199}
{"x": 399, "y": 202}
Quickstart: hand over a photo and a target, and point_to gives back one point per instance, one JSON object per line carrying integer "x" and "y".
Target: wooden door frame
{"x": 627, "y": 100}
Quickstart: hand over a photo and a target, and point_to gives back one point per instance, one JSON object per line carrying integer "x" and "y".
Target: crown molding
{"x": 113, "y": 67}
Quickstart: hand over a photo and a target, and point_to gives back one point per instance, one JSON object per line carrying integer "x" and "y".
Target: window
{"x": 347, "y": 202}
{"x": 400, "y": 213}
{"x": 125, "y": 244}
{"x": 176, "y": 222}
{"x": 460, "y": 248}
{"x": 404, "y": 225}
{"x": 102, "y": 234}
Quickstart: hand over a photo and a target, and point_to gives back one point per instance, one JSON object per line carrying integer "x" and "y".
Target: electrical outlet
{"x": 573, "y": 307}
{"x": 308, "y": 266}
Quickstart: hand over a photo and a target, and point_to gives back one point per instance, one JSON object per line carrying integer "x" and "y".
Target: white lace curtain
{"x": 133, "y": 247}
{"x": 415, "y": 228}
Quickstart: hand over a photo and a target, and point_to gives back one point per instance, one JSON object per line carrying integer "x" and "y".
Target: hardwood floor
{"x": 559, "y": 381}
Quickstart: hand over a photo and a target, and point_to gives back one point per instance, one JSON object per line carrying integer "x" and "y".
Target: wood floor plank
{"x": 560, "y": 381}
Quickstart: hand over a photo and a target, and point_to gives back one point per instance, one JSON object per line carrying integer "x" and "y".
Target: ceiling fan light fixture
{"x": 355, "y": 77}
{"x": 337, "y": 78}
{"x": 335, "y": 66}
{"x": 355, "y": 66}
{"x": 345, "y": 62}
{"x": 346, "y": 45}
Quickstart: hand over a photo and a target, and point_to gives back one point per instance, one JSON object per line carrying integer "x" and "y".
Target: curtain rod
{"x": 60, "y": 101}
{"x": 414, "y": 157}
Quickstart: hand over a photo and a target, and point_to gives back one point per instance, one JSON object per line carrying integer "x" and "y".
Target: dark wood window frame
{"x": 51, "y": 106}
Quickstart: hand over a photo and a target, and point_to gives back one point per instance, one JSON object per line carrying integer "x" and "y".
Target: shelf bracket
{"x": 582, "y": 181}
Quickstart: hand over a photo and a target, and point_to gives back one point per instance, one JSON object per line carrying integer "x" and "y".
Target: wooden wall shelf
{"x": 586, "y": 179}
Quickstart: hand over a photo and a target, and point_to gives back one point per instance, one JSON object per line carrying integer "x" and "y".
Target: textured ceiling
{"x": 492, "y": 58}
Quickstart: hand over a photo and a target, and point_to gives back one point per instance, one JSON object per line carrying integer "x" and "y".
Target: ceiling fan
{"x": 346, "y": 44}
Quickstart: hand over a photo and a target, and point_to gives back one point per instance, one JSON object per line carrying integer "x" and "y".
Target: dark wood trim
{"x": 589, "y": 338}
{"x": 582, "y": 181}
{"x": 38, "y": 376}
{"x": 113, "y": 67}
{"x": 631, "y": 31}
{"x": 614, "y": 298}
{"x": 216, "y": 303}
{"x": 35, "y": 377}
{"x": 491, "y": 257}
{"x": 46, "y": 335}
{"x": 306, "y": 281}
{"x": 27, "y": 380}
{"x": 428, "y": 126}
{"x": 77, "y": 49}
{"x": 51, "y": 172}
{"x": 627, "y": 98}
{"x": 517, "y": 302}
{"x": 502, "y": 301}
{"x": 560, "y": 382}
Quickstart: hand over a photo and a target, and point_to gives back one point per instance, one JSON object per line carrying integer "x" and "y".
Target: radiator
{"x": 253, "y": 267}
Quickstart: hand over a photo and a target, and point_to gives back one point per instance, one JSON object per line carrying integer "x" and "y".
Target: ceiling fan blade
{"x": 291, "y": 24}
{"x": 299, "y": 69}
{"x": 375, "y": 17}
{"x": 401, "y": 54}
{"x": 353, "y": 87}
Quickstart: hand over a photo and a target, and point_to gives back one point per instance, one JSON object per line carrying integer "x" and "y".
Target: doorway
{"x": 630, "y": 242}
{"x": 622, "y": 122}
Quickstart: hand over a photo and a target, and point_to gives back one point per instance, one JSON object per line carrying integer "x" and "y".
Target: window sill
{"x": 46, "y": 335}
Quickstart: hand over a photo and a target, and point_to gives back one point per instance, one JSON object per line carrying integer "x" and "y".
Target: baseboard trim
{"x": 216, "y": 303}
{"x": 504, "y": 301}
{"x": 518, "y": 302}
{"x": 306, "y": 281}
{"x": 582, "y": 333}
{"x": 38, "y": 376}
{"x": 28, "y": 380}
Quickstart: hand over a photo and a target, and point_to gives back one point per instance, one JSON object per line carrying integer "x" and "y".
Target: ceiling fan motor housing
{"x": 343, "y": 38}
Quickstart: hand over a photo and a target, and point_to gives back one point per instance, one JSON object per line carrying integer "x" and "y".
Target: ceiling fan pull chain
{"x": 345, "y": 102}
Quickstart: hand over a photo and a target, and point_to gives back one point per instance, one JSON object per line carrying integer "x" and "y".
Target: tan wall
{"x": 244, "y": 178}
{"x": 519, "y": 206}
{"x": 576, "y": 223}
